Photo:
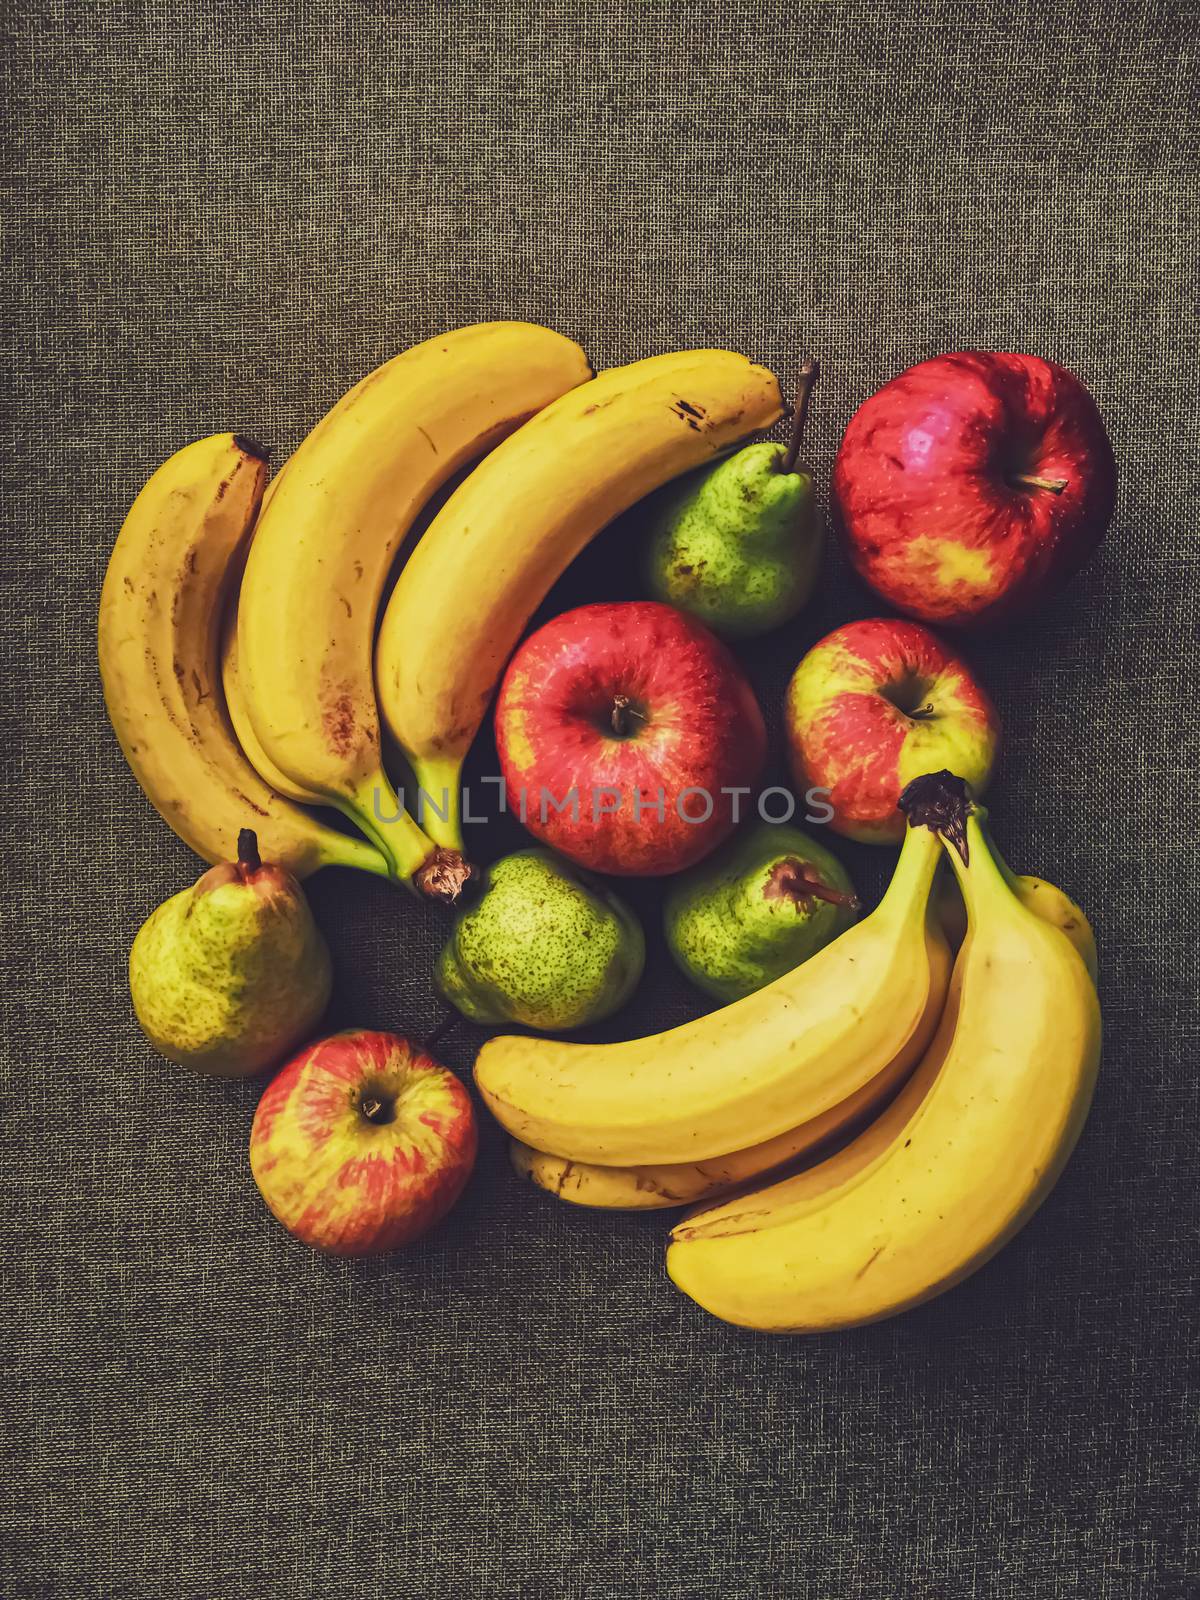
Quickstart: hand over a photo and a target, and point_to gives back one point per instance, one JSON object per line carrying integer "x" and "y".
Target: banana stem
{"x": 976, "y": 866}
{"x": 439, "y": 802}
{"x": 405, "y": 847}
{"x": 913, "y": 877}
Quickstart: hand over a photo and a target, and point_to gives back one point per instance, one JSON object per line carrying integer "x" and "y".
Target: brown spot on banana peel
{"x": 339, "y": 722}
{"x": 869, "y": 1263}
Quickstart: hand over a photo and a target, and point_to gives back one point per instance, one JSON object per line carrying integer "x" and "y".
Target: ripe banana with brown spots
{"x": 326, "y": 542}
{"x": 164, "y": 593}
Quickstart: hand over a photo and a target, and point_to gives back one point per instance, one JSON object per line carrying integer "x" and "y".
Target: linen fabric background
{"x": 222, "y": 215}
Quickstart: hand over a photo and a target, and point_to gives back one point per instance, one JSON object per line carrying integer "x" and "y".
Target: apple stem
{"x": 1028, "y": 481}
{"x": 377, "y": 1108}
{"x": 249, "y": 859}
{"x": 623, "y": 714}
{"x": 922, "y": 713}
{"x": 810, "y": 371}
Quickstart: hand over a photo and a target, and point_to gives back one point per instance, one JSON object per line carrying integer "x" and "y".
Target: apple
{"x": 875, "y": 704}
{"x": 972, "y": 486}
{"x": 362, "y": 1142}
{"x": 624, "y": 731}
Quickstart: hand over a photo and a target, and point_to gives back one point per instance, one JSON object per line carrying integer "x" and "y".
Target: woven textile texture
{"x": 221, "y": 215}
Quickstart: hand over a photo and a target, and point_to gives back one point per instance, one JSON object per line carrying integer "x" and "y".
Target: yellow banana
{"x": 953, "y": 1168}
{"x": 691, "y": 1183}
{"x": 655, "y": 1188}
{"x": 239, "y": 716}
{"x": 748, "y": 1072}
{"x": 489, "y": 556}
{"x": 1045, "y": 900}
{"x": 164, "y": 592}
{"x": 316, "y": 571}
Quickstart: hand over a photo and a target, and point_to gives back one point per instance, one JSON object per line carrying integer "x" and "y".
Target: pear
{"x": 738, "y": 544}
{"x": 764, "y": 903}
{"x": 545, "y": 945}
{"x": 229, "y": 975}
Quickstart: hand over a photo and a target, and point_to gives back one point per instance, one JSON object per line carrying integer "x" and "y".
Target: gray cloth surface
{"x": 221, "y": 215}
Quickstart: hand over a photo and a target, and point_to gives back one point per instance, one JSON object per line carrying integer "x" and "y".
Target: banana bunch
{"x": 237, "y": 628}
{"x": 957, "y": 1164}
{"x": 167, "y": 585}
{"x": 1005, "y": 1056}
{"x": 687, "y": 1183}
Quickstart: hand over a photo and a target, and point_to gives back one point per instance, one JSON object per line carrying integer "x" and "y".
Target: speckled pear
{"x": 545, "y": 945}
{"x": 230, "y": 975}
{"x": 738, "y": 544}
{"x": 766, "y": 902}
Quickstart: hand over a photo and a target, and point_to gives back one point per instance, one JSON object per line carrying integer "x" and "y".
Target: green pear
{"x": 229, "y": 975}
{"x": 764, "y": 903}
{"x": 738, "y": 544}
{"x": 545, "y": 945}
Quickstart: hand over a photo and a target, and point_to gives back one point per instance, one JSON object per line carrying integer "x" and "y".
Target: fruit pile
{"x": 881, "y": 1099}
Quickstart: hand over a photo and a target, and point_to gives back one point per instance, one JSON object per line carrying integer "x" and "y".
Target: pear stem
{"x": 440, "y": 1030}
{"x": 810, "y": 371}
{"x": 1028, "y": 481}
{"x": 248, "y": 857}
{"x": 794, "y": 880}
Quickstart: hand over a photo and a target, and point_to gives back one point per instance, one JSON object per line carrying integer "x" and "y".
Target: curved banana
{"x": 747, "y": 1072}
{"x": 489, "y": 556}
{"x": 239, "y": 716}
{"x": 1044, "y": 899}
{"x": 958, "y": 1163}
{"x": 336, "y": 517}
{"x": 160, "y": 608}
{"x": 656, "y": 1188}
{"x": 690, "y": 1183}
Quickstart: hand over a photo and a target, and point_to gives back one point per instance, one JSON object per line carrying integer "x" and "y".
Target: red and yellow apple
{"x": 362, "y": 1142}
{"x": 876, "y": 704}
{"x": 973, "y": 486}
{"x": 624, "y": 732}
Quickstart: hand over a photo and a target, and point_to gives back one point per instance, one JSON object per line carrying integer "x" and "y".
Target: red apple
{"x": 874, "y": 705}
{"x": 362, "y": 1142}
{"x": 974, "y": 485}
{"x": 618, "y": 728}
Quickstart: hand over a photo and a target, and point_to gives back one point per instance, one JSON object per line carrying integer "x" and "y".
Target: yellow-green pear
{"x": 738, "y": 543}
{"x": 229, "y": 975}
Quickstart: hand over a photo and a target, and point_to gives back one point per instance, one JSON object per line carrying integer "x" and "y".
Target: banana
{"x": 956, "y": 1165}
{"x": 748, "y": 1072}
{"x": 656, "y": 1188}
{"x": 160, "y": 607}
{"x": 316, "y": 571}
{"x": 239, "y": 716}
{"x": 651, "y": 1188}
{"x": 490, "y": 555}
{"x": 1045, "y": 900}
